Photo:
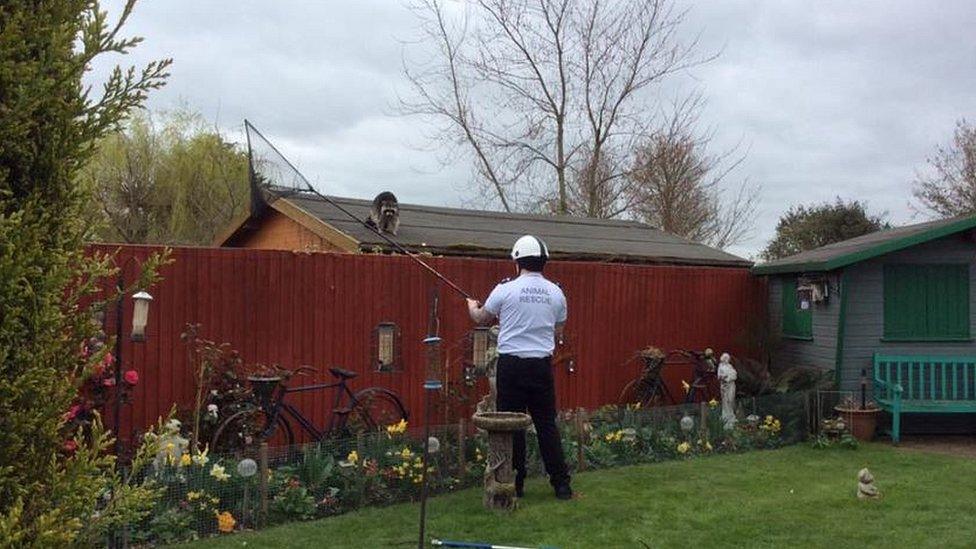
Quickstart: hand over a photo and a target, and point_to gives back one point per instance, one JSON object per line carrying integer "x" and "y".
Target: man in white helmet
{"x": 531, "y": 312}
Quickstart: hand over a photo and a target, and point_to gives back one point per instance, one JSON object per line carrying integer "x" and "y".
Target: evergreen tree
{"x": 804, "y": 228}
{"x": 49, "y": 123}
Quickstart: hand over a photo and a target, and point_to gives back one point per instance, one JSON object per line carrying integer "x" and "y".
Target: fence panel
{"x": 320, "y": 310}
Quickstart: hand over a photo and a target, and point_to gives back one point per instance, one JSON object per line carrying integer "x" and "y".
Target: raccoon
{"x": 385, "y": 213}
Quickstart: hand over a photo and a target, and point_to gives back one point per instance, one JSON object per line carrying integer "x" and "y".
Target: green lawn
{"x": 793, "y": 497}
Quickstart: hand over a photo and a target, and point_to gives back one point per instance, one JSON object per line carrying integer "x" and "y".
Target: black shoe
{"x": 519, "y": 489}
{"x": 563, "y": 491}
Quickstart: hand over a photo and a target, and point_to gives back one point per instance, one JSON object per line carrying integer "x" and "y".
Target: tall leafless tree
{"x": 949, "y": 187}
{"x": 549, "y": 97}
{"x": 677, "y": 185}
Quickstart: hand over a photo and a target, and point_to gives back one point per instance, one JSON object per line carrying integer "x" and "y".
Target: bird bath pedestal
{"x": 499, "y": 476}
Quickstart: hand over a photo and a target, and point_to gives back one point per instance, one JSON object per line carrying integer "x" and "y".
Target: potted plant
{"x": 860, "y": 417}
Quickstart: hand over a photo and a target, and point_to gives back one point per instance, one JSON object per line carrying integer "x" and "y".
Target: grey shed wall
{"x": 821, "y": 351}
{"x": 865, "y": 313}
{"x": 865, "y": 306}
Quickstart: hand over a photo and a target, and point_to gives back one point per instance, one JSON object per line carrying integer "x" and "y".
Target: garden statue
{"x": 865, "y": 485}
{"x": 172, "y": 445}
{"x": 489, "y": 402}
{"x": 727, "y": 376}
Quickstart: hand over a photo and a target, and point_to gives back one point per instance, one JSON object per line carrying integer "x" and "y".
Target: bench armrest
{"x": 887, "y": 390}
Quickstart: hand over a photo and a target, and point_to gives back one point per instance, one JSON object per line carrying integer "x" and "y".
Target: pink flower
{"x": 108, "y": 360}
{"x": 131, "y": 377}
{"x": 70, "y": 446}
{"x": 72, "y": 412}
{"x": 109, "y": 382}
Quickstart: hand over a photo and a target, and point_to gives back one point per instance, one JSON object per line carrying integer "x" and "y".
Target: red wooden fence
{"x": 320, "y": 309}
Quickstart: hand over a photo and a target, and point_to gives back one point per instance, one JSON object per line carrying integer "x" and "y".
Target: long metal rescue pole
{"x": 362, "y": 222}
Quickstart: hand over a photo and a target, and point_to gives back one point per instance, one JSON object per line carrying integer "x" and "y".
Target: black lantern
{"x": 386, "y": 347}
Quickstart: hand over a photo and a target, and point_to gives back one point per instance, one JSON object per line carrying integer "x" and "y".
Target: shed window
{"x": 926, "y": 302}
{"x": 797, "y": 319}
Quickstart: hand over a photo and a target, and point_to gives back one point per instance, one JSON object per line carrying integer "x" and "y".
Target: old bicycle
{"x": 269, "y": 417}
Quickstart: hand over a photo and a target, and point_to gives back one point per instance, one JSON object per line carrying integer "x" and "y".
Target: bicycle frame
{"x": 280, "y": 406}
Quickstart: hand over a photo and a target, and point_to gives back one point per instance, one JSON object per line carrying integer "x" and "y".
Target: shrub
{"x": 50, "y": 480}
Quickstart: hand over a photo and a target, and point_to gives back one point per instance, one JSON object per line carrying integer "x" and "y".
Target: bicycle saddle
{"x": 344, "y": 374}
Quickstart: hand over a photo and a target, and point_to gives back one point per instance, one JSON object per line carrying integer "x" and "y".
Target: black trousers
{"x": 525, "y": 384}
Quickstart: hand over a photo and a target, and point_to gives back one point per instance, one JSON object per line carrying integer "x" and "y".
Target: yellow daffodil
{"x": 353, "y": 457}
{"x": 685, "y": 385}
{"x": 185, "y": 460}
{"x": 218, "y": 472}
{"x": 225, "y": 522}
{"x": 712, "y": 403}
{"x": 683, "y": 448}
{"x": 200, "y": 458}
{"x": 397, "y": 428}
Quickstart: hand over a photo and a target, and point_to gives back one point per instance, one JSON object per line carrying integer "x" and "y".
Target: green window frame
{"x": 797, "y": 322}
{"x": 926, "y": 302}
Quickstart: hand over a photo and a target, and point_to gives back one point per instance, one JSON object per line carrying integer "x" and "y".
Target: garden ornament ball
{"x": 433, "y": 445}
{"x": 247, "y": 467}
{"x": 687, "y": 424}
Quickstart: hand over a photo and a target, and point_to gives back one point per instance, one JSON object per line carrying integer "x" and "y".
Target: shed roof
{"x": 455, "y": 231}
{"x": 841, "y": 254}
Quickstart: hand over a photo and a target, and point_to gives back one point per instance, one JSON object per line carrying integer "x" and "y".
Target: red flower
{"x": 109, "y": 382}
{"x": 70, "y": 446}
{"x": 131, "y": 377}
{"x": 108, "y": 360}
{"x": 72, "y": 412}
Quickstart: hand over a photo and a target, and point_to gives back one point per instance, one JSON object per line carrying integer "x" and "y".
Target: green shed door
{"x": 926, "y": 302}
{"x": 797, "y": 322}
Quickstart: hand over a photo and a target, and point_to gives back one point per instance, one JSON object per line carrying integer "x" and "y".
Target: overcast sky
{"x": 831, "y": 98}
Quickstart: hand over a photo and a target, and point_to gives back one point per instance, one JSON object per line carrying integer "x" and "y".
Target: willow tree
{"x": 167, "y": 178}
{"x": 49, "y": 123}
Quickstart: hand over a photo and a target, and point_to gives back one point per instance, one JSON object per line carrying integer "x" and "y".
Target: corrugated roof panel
{"x": 452, "y": 229}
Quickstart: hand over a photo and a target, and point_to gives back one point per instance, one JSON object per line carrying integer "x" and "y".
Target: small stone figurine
{"x": 727, "y": 376}
{"x": 865, "y": 485}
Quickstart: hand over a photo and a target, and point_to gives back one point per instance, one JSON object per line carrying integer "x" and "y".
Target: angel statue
{"x": 726, "y": 377}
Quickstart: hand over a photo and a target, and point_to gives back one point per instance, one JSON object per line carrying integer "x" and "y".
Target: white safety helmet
{"x": 530, "y": 246}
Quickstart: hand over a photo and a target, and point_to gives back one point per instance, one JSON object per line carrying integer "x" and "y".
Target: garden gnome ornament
{"x": 865, "y": 485}
{"x": 727, "y": 376}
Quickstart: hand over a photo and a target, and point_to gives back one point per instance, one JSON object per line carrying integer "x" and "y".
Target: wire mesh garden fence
{"x": 208, "y": 494}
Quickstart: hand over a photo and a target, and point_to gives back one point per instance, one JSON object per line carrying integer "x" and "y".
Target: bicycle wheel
{"x": 244, "y": 431}
{"x": 374, "y": 409}
{"x": 643, "y": 392}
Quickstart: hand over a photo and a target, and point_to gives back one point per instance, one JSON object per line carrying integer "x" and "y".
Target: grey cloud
{"x": 831, "y": 98}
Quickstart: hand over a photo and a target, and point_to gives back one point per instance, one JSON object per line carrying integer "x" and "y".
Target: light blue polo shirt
{"x": 528, "y": 308}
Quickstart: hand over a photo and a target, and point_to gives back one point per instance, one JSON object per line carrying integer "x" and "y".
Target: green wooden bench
{"x": 923, "y": 384}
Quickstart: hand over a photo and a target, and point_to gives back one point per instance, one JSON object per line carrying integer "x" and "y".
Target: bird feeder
{"x": 480, "y": 346}
{"x": 434, "y": 379}
{"x": 140, "y": 315}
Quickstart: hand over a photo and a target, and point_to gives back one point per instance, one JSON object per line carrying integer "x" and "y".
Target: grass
{"x": 792, "y": 497}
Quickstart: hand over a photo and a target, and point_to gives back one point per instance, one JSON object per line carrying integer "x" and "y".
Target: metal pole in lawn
{"x": 432, "y": 384}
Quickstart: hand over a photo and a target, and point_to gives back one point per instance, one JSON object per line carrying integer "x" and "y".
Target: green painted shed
{"x": 908, "y": 290}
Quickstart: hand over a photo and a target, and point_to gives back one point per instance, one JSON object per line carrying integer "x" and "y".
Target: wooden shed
{"x": 901, "y": 291}
{"x": 302, "y": 221}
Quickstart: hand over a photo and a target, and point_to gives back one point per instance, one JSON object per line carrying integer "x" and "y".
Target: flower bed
{"x": 208, "y": 495}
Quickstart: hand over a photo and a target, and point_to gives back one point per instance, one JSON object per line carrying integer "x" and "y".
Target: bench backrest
{"x": 929, "y": 377}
